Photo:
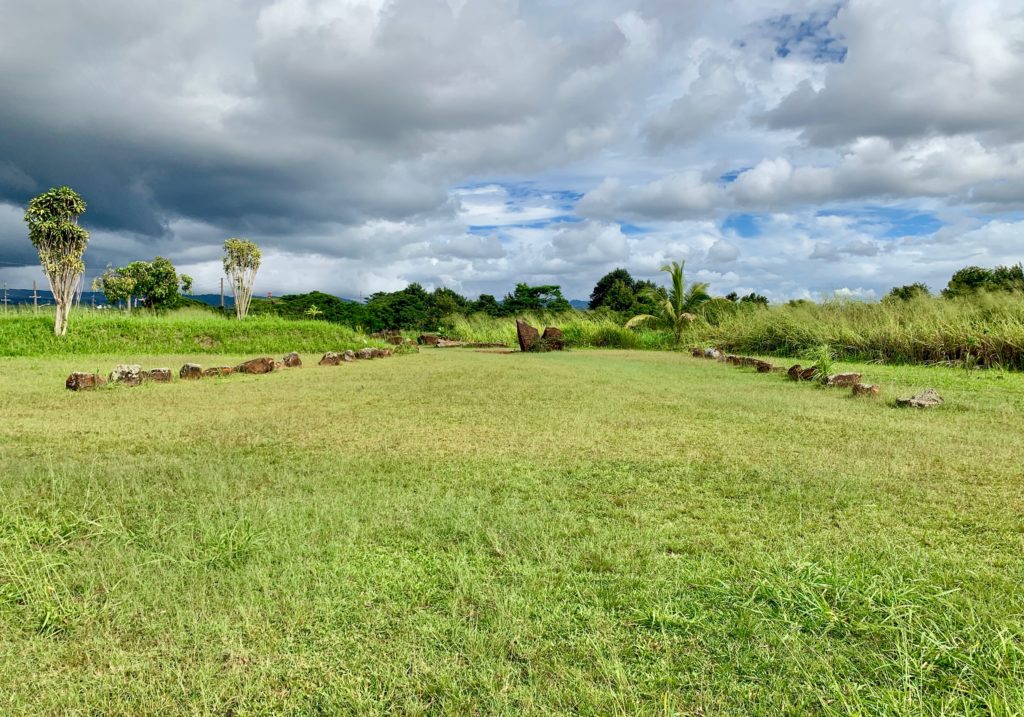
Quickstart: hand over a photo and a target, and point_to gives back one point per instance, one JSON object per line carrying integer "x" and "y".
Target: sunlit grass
{"x": 457, "y": 532}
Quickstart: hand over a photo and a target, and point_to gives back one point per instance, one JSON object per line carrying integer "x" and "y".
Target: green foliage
{"x": 535, "y": 298}
{"x": 155, "y": 283}
{"x": 486, "y": 304}
{"x": 53, "y": 229}
{"x": 183, "y": 332}
{"x": 973, "y": 279}
{"x": 618, "y": 291}
{"x": 241, "y": 262}
{"x": 824, "y": 359}
{"x": 908, "y": 292}
{"x": 678, "y": 311}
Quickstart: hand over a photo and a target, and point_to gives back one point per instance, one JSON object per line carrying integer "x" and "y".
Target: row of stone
{"x": 929, "y": 398}
{"x": 134, "y": 375}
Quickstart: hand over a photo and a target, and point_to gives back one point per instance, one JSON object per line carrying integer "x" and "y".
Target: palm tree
{"x": 678, "y": 310}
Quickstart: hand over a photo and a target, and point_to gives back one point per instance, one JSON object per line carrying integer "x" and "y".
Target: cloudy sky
{"x": 792, "y": 147}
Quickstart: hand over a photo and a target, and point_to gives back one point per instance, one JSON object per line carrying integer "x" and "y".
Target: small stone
{"x": 870, "y": 390}
{"x": 396, "y": 340}
{"x": 843, "y": 379}
{"x": 929, "y": 398}
{"x": 126, "y": 374}
{"x": 292, "y": 360}
{"x": 697, "y": 353}
{"x": 795, "y": 371}
{"x": 261, "y": 365}
{"x": 363, "y": 354}
{"x": 157, "y": 375}
{"x": 809, "y": 374}
{"x": 429, "y": 339}
{"x": 80, "y": 381}
{"x": 330, "y": 359}
{"x": 348, "y": 356}
{"x": 218, "y": 371}
{"x": 713, "y": 354}
{"x": 190, "y": 371}
{"x": 763, "y": 367}
{"x": 448, "y": 344}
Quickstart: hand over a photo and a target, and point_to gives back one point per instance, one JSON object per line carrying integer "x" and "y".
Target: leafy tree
{"x": 972, "y": 279}
{"x": 408, "y": 308}
{"x": 598, "y": 297}
{"x": 732, "y": 296}
{"x": 155, "y": 283}
{"x": 755, "y": 299}
{"x": 535, "y": 298}
{"x": 620, "y": 297}
{"x": 908, "y": 292}
{"x": 445, "y": 302}
{"x": 677, "y": 311}
{"x": 115, "y": 286}
{"x": 241, "y": 262}
{"x": 53, "y": 229}
{"x": 487, "y": 304}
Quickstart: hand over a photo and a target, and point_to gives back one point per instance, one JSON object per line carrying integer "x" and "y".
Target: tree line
{"x": 54, "y": 230}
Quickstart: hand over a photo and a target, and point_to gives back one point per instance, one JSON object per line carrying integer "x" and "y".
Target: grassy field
{"x": 456, "y": 532}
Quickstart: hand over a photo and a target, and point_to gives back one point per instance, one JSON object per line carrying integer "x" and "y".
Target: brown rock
{"x": 763, "y": 367}
{"x": 218, "y": 371}
{"x": 697, "y": 353}
{"x": 448, "y": 344}
{"x": 929, "y": 398}
{"x": 795, "y": 372}
{"x": 553, "y": 339}
{"x": 396, "y": 340}
{"x": 330, "y": 359}
{"x": 866, "y": 389}
{"x": 843, "y": 379}
{"x": 157, "y": 375}
{"x": 528, "y": 336}
{"x": 809, "y": 374}
{"x": 79, "y": 381}
{"x": 191, "y": 371}
{"x": 429, "y": 339}
{"x": 293, "y": 360}
{"x": 126, "y": 374}
{"x": 261, "y": 365}
{"x": 366, "y": 353}
{"x": 349, "y": 356}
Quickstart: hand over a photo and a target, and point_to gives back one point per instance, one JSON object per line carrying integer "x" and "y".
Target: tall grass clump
{"x": 186, "y": 331}
{"x": 984, "y": 329}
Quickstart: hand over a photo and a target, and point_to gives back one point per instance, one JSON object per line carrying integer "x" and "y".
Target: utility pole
{"x": 35, "y": 299}
{"x": 222, "y": 293}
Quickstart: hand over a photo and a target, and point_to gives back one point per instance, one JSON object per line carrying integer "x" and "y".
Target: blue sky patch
{"x": 809, "y": 36}
{"x": 744, "y": 225}
{"x": 896, "y": 221}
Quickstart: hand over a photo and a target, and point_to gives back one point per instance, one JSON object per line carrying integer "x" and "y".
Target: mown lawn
{"x": 457, "y": 532}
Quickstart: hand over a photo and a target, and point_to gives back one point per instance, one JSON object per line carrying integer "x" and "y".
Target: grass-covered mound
{"x": 187, "y": 331}
{"x": 460, "y": 533}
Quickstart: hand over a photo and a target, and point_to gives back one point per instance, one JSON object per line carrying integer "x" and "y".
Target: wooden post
{"x": 35, "y": 299}
{"x": 222, "y": 293}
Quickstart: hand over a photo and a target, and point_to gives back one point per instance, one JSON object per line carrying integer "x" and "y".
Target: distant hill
{"x": 579, "y": 304}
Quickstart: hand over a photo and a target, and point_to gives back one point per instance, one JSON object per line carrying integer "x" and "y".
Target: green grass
{"x": 186, "y": 331}
{"x": 457, "y": 532}
{"x": 983, "y": 330}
